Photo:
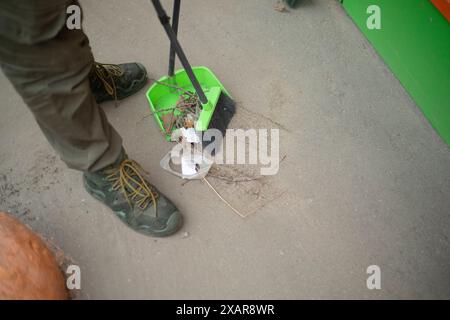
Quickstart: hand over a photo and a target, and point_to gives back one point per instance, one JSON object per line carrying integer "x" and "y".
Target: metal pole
{"x": 175, "y": 18}
{"x": 179, "y": 51}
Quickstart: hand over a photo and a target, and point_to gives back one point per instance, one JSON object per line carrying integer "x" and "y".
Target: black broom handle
{"x": 179, "y": 51}
{"x": 175, "y": 18}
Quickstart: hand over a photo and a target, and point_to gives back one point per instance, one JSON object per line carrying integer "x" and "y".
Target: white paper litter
{"x": 190, "y": 135}
{"x": 188, "y": 154}
{"x": 188, "y": 166}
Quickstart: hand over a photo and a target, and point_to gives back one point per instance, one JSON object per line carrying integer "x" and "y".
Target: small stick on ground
{"x": 224, "y": 178}
{"x": 223, "y": 200}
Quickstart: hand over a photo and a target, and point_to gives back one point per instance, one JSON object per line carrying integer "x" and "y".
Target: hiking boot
{"x": 133, "y": 199}
{"x": 116, "y": 81}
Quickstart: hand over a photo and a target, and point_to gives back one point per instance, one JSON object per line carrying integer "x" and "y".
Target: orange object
{"x": 444, "y": 7}
{"x": 28, "y": 269}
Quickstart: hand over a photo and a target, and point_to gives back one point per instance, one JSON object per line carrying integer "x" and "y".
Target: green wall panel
{"x": 414, "y": 41}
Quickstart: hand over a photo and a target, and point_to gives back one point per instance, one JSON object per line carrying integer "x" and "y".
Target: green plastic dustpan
{"x": 217, "y": 106}
{"x": 162, "y": 97}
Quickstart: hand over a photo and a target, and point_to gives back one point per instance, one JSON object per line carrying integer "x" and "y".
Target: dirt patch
{"x": 246, "y": 191}
{"x": 15, "y": 189}
{"x": 11, "y": 198}
{"x": 243, "y": 186}
{"x": 44, "y": 173}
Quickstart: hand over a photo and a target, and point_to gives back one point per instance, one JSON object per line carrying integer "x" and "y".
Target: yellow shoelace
{"x": 128, "y": 179}
{"x": 106, "y": 73}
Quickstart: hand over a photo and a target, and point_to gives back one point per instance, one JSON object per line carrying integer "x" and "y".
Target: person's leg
{"x": 51, "y": 67}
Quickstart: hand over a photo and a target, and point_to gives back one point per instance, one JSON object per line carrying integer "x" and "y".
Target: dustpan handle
{"x": 176, "y": 46}
{"x": 175, "y": 18}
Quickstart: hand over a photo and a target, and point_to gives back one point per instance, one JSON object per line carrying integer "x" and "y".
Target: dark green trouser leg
{"x": 49, "y": 66}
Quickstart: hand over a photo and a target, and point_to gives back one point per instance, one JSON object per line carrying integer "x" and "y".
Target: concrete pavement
{"x": 365, "y": 179}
